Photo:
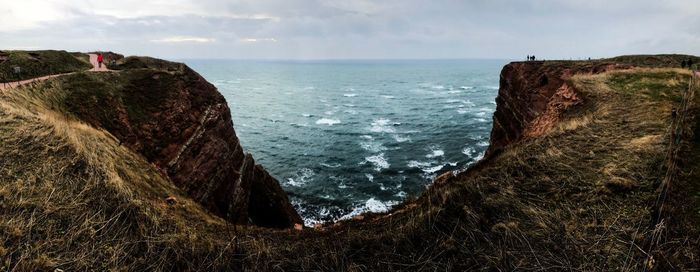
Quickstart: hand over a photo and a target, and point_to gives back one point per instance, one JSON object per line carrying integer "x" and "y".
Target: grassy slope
{"x": 577, "y": 198}
{"x": 40, "y": 63}
{"x": 72, "y": 197}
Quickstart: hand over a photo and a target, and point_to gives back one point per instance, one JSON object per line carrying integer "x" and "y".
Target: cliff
{"x": 533, "y": 96}
{"x": 134, "y": 170}
{"x": 182, "y": 124}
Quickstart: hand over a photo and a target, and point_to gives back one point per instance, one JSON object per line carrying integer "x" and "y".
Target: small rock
{"x": 171, "y": 200}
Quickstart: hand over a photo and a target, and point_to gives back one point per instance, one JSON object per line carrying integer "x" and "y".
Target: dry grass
{"x": 578, "y": 198}
{"x": 72, "y": 197}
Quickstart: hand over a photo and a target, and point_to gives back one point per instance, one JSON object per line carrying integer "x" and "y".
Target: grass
{"x": 73, "y": 197}
{"x": 651, "y": 83}
{"x": 579, "y": 197}
{"x": 40, "y": 63}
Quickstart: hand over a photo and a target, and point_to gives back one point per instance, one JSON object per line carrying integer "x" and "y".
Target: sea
{"x": 345, "y": 137}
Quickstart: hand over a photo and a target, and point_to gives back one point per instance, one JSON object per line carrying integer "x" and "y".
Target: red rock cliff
{"x": 533, "y": 95}
{"x": 182, "y": 124}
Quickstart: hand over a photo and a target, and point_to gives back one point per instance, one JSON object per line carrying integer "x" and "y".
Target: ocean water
{"x": 345, "y": 137}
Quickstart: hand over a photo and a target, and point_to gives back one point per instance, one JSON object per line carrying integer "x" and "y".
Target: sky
{"x": 354, "y": 29}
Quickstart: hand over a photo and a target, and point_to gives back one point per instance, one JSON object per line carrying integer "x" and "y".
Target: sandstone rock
{"x": 179, "y": 122}
{"x": 268, "y": 205}
{"x": 532, "y": 96}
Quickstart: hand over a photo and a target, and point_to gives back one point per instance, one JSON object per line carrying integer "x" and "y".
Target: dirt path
{"x": 95, "y": 68}
{"x": 93, "y": 61}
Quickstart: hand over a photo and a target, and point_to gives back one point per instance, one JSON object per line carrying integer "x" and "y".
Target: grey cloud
{"x": 385, "y": 29}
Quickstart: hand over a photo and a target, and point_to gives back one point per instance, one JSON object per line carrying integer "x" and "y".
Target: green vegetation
{"x": 131, "y": 63}
{"x": 40, "y": 63}
{"x": 650, "y": 83}
{"x": 655, "y": 61}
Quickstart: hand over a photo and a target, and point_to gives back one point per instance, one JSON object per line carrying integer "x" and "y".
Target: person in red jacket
{"x": 99, "y": 60}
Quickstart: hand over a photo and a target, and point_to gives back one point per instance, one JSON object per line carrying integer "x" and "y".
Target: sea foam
{"x": 327, "y": 121}
{"x": 378, "y": 161}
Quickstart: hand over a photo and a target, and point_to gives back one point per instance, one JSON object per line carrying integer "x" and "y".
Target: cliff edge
{"x": 593, "y": 167}
{"x": 182, "y": 124}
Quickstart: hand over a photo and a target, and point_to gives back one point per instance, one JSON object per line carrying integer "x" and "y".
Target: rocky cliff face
{"x": 533, "y": 95}
{"x": 182, "y": 124}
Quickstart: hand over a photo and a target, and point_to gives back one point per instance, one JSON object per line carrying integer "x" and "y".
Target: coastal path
{"x": 93, "y": 61}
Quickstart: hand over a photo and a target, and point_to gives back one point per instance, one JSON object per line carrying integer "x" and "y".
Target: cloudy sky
{"x": 342, "y": 29}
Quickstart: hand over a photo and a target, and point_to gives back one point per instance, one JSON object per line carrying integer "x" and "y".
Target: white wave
{"x": 371, "y": 205}
{"x": 462, "y": 111}
{"x": 453, "y": 101}
{"x": 368, "y": 137}
{"x": 400, "y": 194}
{"x": 417, "y": 164}
{"x": 307, "y": 115}
{"x": 454, "y": 92}
{"x": 476, "y": 137}
{"x": 302, "y": 177}
{"x": 369, "y": 177}
{"x": 433, "y": 169}
{"x": 381, "y": 125}
{"x": 483, "y": 143}
{"x": 327, "y": 121}
{"x": 480, "y": 156}
{"x": 298, "y": 125}
{"x": 480, "y": 114}
{"x": 350, "y": 94}
{"x": 373, "y": 146}
{"x": 330, "y": 112}
{"x": 378, "y": 161}
{"x": 438, "y": 87}
{"x": 335, "y": 165}
{"x": 481, "y": 120}
{"x": 388, "y": 96}
{"x": 466, "y": 87}
{"x": 342, "y": 186}
{"x": 436, "y": 153}
{"x": 349, "y": 105}
{"x": 452, "y": 163}
{"x": 469, "y": 151}
{"x": 401, "y": 139}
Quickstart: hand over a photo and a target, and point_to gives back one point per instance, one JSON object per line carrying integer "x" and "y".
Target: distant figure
{"x": 683, "y": 64}
{"x": 99, "y": 60}
{"x": 533, "y": 58}
{"x": 528, "y": 57}
{"x": 690, "y": 63}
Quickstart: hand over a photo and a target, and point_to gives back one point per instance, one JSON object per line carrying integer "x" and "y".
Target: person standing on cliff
{"x": 99, "y": 60}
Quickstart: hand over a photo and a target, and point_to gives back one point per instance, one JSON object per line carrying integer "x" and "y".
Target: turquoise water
{"x": 344, "y": 137}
